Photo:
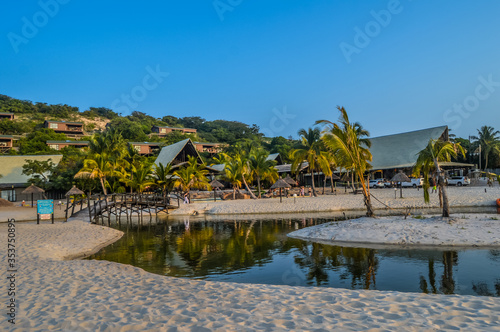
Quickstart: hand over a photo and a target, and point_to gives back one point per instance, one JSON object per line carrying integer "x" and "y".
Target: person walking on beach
{"x": 186, "y": 198}
{"x": 302, "y": 192}
{"x": 434, "y": 187}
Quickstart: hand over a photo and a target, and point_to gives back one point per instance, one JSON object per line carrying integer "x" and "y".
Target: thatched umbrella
{"x": 290, "y": 181}
{"x": 216, "y": 184}
{"x": 280, "y": 184}
{"x": 82, "y": 175}
{"x": 400, "y": 177}
{"x": 335, "y": 177}
{"x": 72, "y": 192}
{"x": 33, "y": 190}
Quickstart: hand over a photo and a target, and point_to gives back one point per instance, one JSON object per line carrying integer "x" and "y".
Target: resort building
{"x": 399, "y": 152}
{"x": 6, "y": 143}
{"x": 146, "y": 148}
{"x": 13, "y": 181}
{"x": 163, "y": 131}
{"x": 212, "y": 148}
{"x": 178, "y": 153}
{"x": 59, "y": 145}
{"x": 74, "y": 129}
{"x": 8, "y": 116}
{"x": 276, "y": 157}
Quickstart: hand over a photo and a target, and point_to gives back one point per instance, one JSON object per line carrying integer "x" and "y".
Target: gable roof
{"x": 275, "y": 156}
{"x": 11, "y": 168}
{"x": 400, "y": 150}
{"x": 177, "y": 153}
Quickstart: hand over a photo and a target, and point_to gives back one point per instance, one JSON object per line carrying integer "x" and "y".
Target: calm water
{"x": 259, "y": 251}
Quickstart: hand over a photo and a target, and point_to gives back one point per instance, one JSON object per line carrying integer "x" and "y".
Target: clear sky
{"x": 394, "y": 65}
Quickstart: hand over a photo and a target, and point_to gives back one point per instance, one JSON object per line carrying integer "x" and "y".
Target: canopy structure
{"x": 74, "y": 191}
{"x": 280, "y": 184}
{"x": 33, "y": 190}
{"x": 216, "y": 184}
{"x": 290, "y": 181}
{"x": 400, "y": 177}
{"x": 401, "y": 150}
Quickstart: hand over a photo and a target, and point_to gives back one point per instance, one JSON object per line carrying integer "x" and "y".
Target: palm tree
{"x": 310, "y": 152}
{"x": 163, "y": 178}
{"x": 232, "y": 173}
{"x": 489, "y": 141}
{"x": 105, "y": 157}
{"x": 141, "y": 177}
{"x": 192, "y": 176}
{"x": 347, "y": 141}
{"x": 261, "y": 168}
{"x": 435, "y": 152}
{"x": 99, "y": 167}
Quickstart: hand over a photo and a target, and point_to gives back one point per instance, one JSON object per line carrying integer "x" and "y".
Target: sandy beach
{"x": 57, "y": 294}
{"x": 60, "y": 295}
{"x": 384, "y": 200}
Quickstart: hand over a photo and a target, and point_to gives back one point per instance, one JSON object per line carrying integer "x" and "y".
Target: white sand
{"x": 460, "y": 230}
{"x": 412, "y": 198}
{"x": 62, "y": 295}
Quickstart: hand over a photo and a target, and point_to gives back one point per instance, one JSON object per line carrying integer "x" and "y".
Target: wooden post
{"x": 73, "y": 207}
{"x": 67, "y": 208}
{"x": 88, "y": 207}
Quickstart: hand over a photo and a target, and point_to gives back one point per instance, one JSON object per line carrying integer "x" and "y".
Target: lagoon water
{"x": 253, "y": 250}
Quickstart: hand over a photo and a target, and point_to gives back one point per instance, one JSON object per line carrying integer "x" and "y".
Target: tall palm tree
{"x": 489, "y": 140}
{"x": 261, "y": 168}
{"x": 232, "y": 173}
{"x": 310, "y": 152}
{"x": 105, "y": 156}
{"x": 99, "y": 167}
{"x": 347, "y": 141}
{"x": 437, "y": 151}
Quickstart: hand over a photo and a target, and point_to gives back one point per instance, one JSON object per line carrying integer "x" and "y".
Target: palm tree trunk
{"x": 367, "y": 198}
{"x": 442, "y": 190}
{"x": 102, "y": 185}
{"x": 312, "y": 184}
{"x": 331, "y": 179}
{"x": 258, "y": 185}
{"x": 248, "y": 189}
{"x": 234, "y": 192}
{"x": 324, "y": 184}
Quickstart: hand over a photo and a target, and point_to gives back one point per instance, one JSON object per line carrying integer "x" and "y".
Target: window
{"x": 137, "y": 148}
{"x": 54, "y": 146}
{"x": 163, "y": 130}
{"x": 53, "y": 125}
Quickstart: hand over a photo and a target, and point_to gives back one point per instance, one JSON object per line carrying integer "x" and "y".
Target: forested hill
{"x": 134, "y": 127}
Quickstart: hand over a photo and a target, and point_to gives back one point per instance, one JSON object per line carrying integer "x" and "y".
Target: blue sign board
{"x": 45, "y": 206}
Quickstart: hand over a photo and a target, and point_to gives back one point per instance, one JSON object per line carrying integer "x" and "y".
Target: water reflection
{"x": 259, "y": 251}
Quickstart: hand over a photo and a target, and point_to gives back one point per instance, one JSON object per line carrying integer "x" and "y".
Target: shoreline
{"x": 82, "y": 295}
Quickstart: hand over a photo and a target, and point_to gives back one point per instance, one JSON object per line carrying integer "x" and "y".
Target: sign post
{"x": 45, "y": 210}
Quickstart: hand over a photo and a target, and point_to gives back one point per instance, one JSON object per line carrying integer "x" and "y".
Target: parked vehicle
{"x": 459, "y": 181}
{"x": 376, "y": 183}
{"x": 414, "y": 182}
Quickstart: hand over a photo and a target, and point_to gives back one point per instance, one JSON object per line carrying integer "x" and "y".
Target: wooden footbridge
{"x": 127, "y": 206}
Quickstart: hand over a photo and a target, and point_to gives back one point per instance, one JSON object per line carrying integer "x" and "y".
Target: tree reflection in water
{"x": 260, "y": 250}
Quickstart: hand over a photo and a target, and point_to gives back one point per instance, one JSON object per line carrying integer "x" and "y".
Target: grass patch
{"x": 493, "y": 218}
{"x": 419, "y": 217}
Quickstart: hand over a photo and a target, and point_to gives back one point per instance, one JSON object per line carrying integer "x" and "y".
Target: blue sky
{"x": 394, "y": 65}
